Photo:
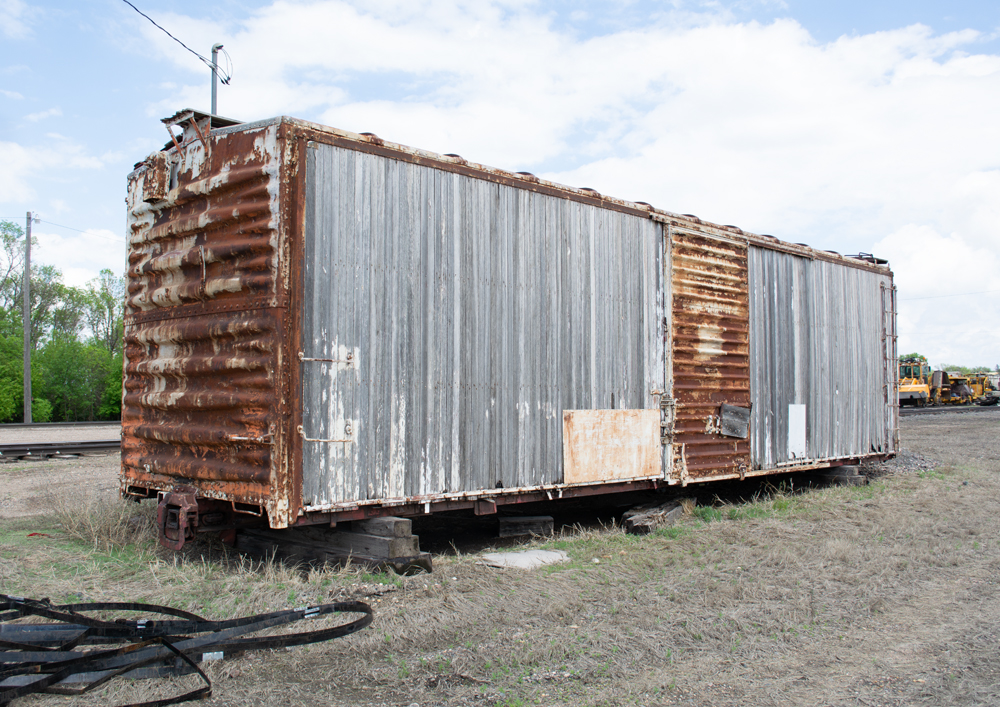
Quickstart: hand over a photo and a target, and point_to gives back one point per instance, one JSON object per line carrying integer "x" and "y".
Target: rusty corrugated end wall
{"x": 206, "y": 320}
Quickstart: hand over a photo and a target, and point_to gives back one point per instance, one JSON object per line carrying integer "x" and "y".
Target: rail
{"x": 49, "y": 449}
{"x": 58, "y": 425}
{"x": 947, "y": 410}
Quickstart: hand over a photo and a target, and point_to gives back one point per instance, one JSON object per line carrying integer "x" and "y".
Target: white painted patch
{"x": 718, "y": 309}
{"x": 265, "y": 148}
{"x": 796, "y": 431}
{"x": 219, "y": 284}
{"x": 194, "y": 158}
{"x": 397, "y": 451}
{"x": 710, "y": 341}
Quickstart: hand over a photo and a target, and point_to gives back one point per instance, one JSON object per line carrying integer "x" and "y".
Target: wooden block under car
{"x": 847, "y": 475}
{"x": 526, "y": 525}
{"x": 387, "y": 527}
{"x": 339, "y": 547}
{"x": 645, "y": 519}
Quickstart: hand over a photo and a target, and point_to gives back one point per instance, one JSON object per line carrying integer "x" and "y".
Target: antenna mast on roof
{"x": 215, "y": 77}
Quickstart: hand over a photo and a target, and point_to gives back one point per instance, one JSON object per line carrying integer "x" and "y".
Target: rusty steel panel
{"x": 710, "y": 352}
{"x": 206, "y": 319}
{"x": 609, "y": 445}
{"x": 156, "y": 178}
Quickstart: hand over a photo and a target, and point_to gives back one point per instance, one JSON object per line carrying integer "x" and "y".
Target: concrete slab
{"x": 526, "y": 559}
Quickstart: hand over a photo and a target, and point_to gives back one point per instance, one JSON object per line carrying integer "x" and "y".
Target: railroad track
{"x": 22, "y": 450}
{"x": 948, "y": 410}
{"x": 59, "y": 425}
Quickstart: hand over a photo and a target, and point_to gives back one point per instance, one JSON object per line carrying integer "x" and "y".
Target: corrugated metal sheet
{"x": 710, "y": 351}
{"x": 473, "y": 313}
{"x": 206, "y": 320}
{"x": 822, "y": 337}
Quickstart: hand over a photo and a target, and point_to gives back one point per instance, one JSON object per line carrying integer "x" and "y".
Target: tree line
{"x": 76, "y": 340}
{"x": 952, "y": 368}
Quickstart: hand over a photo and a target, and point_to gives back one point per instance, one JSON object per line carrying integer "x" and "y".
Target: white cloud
{"x": 13, "y": 19}
{"x": 80, "y": 256}
{"x": 22, "y": 164}
{"x": 870, "y": 142}
{"x": 42, "y": 115}
{"x": 948, "y": 292}
{"x": 12, "y": 95}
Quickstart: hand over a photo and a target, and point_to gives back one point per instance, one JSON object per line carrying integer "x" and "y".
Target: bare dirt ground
{"x": 885, "y": 594}
{"x": 15, "y": 434}
{"x": 27, "y": 488}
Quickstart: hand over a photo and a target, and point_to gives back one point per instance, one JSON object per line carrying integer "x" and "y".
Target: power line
{"x": 68, "y": 228}
{"x": 89, "y": 233}
{"x": 229, "y": 65}
{"x": 228, "y": 75}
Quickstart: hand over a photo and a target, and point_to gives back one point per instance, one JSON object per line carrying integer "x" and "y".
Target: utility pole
{"x": 26, "y": 317}
{"x": 215, "y": 77}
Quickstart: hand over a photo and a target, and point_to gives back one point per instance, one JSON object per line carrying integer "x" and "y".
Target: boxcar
{"x": 324, "y": 326}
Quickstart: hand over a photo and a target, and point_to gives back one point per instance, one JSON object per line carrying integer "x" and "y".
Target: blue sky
{"x": 851, "y": 126}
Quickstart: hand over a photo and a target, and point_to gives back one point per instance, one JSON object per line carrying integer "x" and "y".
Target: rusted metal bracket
{"x": 349, "y": 361}
{"x": 177, "y": 517}
{"x": 347, "y": 431}
{"x": 173, "y": 137}
{"x": 194, "y": 122}
{"x": 668, "y": 413}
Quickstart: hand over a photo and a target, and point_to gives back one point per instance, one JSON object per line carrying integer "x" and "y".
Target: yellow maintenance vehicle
{"x": 914, "y": 382}
{"x": 956, "y": 390}
{"x": 984, "y": 388}
{"x": 920, "y": 386}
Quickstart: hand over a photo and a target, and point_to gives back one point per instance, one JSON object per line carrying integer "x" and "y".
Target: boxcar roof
{"x": 369, "y": 142}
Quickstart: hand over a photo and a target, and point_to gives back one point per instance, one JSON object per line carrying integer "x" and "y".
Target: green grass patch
{"x": 744, "y": 512}
{"x": 387, "y": 578}
{"x": 31, "y": 536}
{"x": 931, "y": 474}
{"x": 707, "y": 514}
{"x": 672, "y": 532}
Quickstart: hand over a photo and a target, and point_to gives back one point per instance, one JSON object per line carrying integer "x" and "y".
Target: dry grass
{"x": 102, "y": 521}
{"x": 884, "y": 594}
